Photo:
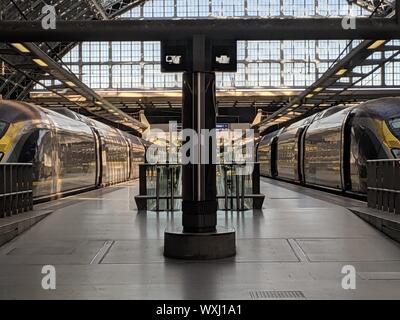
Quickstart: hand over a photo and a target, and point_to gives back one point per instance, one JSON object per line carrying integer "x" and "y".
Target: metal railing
{"x": 160, "y": 187}
{"x": 384, "y": 185}
{"x": 238, "y": 186}
{"x": 16, "y": 195}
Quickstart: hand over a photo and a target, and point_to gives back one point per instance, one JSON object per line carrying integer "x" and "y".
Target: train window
{"x": 3, "y": 128}
{"x": 394, "y": 125}
{"x": 28, "y": 151}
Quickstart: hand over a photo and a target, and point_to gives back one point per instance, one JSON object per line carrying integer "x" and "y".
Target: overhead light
{"x": 20, "y": 47}
{"x": 310, "y": 95}
{"x": 70, "y": 83}
{"x": 99, "y": 103}
{"x": 341, "y": 72}
{"x": 76, "y": 98}
{"x": 376, "y": 44}
{"x": 40, "y": 62}
{"x": 318, "y": 89}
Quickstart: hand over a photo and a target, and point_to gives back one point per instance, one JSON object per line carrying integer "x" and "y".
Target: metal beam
{"x": 397, "y": 11}
{"x": 235, "y": 29}
{"x": 60, "y": 73}
{"x": 97, "y": 9}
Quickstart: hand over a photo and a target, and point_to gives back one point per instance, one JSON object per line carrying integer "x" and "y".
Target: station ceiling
{"x": 21, "y": 73}
{"x": 25, "y": 64}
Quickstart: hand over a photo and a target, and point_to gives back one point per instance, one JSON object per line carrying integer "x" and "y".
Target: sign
{"x": 224, "y": 56}
{"x": 222, "y": 126}
{"x": 177, "y": 56}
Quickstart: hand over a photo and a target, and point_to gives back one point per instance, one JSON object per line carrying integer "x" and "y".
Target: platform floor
{"x": 103, "y": 249}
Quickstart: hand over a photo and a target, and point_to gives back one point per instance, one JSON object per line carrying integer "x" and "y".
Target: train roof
{"x": 385, "y": 108}
{"x": 17, "y": 111}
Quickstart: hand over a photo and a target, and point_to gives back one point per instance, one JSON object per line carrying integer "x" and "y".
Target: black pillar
{"x": 199, "y": 238}
{"x": 199, "y": 206}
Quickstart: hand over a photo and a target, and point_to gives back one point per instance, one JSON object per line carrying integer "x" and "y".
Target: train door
{"x": 99, "y": 158}
{"x": 273, "y": 155}
{"x": 130, "y": 164}
{"x": 300, "y": 156}
{"x": 55, "y": 157}
{"x": 346, "y": 150}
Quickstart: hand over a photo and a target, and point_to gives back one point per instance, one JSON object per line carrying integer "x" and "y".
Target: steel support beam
{"x": 397, "y": 11}
{"x": 232, "y": 29}
{"x": 64, "y": 75}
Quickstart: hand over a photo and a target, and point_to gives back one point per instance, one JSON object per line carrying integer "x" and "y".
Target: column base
{"x": 199, "y": 246}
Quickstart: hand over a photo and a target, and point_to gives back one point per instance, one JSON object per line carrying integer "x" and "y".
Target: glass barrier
{"x": 237, "y": 187}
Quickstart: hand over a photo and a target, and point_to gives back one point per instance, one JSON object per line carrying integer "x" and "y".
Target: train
{"x": 70, "y": 153}
{"x": 330, "y": 149}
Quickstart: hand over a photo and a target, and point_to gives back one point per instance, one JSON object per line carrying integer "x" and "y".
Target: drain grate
{"x": 255, "y": 295}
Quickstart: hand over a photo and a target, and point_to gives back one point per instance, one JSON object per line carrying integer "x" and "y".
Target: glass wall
{"x": 261, "y": 64}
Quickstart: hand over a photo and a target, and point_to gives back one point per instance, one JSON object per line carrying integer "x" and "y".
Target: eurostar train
{"x": 330, "y": 149}
{"x": 69, "y": 152}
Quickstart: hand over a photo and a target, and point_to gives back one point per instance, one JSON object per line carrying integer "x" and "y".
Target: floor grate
{"x": 265, "y": 295}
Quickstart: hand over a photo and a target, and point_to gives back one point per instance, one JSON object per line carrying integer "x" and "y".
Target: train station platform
{"x": 295, "y": 248}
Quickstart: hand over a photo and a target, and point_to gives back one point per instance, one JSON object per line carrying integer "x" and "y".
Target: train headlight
{"x": 396, "y": 153}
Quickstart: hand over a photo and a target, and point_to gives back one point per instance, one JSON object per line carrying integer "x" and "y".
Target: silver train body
{"x": 69, "y": 152}
{"x": 330, "y": 149}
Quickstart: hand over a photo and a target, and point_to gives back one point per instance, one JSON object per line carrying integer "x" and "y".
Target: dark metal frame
{"x": 16, "y": 194}
{"x": 142, "y": 199}
{"x": 228, "y": 29}
{"x": 384, "y": 185}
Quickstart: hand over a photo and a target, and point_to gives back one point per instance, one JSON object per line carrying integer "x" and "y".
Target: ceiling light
{"x": 318, "y": 89}
{"x": 376, "y": 44}
{"x": 341, "y": 72}
{"x": 76, "y": 98}
{"x": 70, "y": 83}
{"x": 40, "y": 62}
{"x": 20, "y": 47}
{"x": 310, "y": 95}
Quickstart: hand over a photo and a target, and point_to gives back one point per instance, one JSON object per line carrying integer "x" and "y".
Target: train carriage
{"x": 330, "y": 149}
{"x": 69, "y": 152}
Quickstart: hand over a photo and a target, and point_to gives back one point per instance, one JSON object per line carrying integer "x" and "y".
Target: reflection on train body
{"x": 330, "y": 149}
{"x": 69, "y": 152}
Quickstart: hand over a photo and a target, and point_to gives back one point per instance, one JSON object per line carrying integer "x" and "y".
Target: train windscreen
{"x": 394, "y": 125}
{"x": 3, "y": 128}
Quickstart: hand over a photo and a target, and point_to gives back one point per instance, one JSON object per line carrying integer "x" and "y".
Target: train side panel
{"x": 114, "y": 155}
{"x": 324, "y": 145}
{"x": 75, "y": 154}
{"x": 266, "y": 154}
{"x": 288, "y": 150}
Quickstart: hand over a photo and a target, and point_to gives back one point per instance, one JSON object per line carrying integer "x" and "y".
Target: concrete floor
{"x": 102, "y": 249}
